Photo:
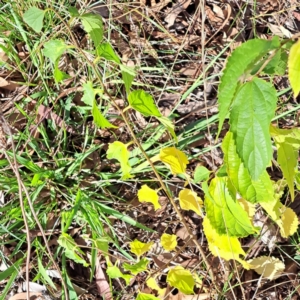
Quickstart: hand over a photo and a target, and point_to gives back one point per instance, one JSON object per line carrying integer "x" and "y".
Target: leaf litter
{"x": 167, "y": 49}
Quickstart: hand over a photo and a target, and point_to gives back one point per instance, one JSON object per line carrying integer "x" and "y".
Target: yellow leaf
{"x": 181, "y": 279}
{"x": 146, "y": 194}
{"x": 168, "y": 241}
{"x": 188, "y": 200}
{"x": 139, "y": 248}
{"x": 152, "y": 284}
{"x": 175, "y": 159}
{"x": 268, "y": 267}
{"x": 289, "y": 221}
{"x": 222, "y": 245}
{"x": 294, "y": 68}
{"x": 283, "y": 216}
{"x": 118, "y": 150}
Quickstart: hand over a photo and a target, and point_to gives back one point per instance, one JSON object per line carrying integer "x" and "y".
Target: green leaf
{"x": 291, "y": 136}
{"x": 114, "y": 272}
{"x": 59, "y": 75}
{"x": 72, "y": 250}
{"x": 34, "y": 17}
{"x": 181, "y": 279}
{"x": 118, "y": 150}
{"x": 169, "y": 126}
{"x": 140, "y": 266}
{"x": 240, "y": 62}
{"x": 54, "y": 49}
{"x": 201, "y": 174}
{"x": 225, "y": 214}
{"x": 260, "y": 190}
{"x": 252, "y": 111}
{"x": 99, "y": 119}
{"x": 105, "y": 50}
{"x": 93, "y": 25}
{"x": 44, "y": 274}
{"x": 73, "y": 11}
{"x": 287, "y": 158}
{"x": 143, "y": 296}
{"x": 294, "y": 68}
{"x": 168, "y": 241}
{"x": 143, "y": 103}
{"x": 128, "y": 75}
{"x": 88, "y": 94}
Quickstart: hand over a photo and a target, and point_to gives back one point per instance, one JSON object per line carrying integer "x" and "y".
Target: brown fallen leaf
{"x": 180, "y": 6}
{"x": 23, "y": 296}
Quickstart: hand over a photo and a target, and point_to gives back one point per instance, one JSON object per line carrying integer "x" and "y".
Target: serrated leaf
{"x": 93, "y": 25}
{"x": 143, "y": 296}
{"x": 260, "y": 190}
{"x": 34, "y": 17}
{"x": 169, "y": 126}
{"x": 289, "y": 221}
{"x": 201, "y": 174}
{"x": 294, "y": 68}
{"x": 248, "y": 207}
{"x": 175, "y": 159}
{"x": 283, "y": 216}
{"x": 99, "y": 119}
{"x": 139, "y": 248}
{"x": 106, "y": 50}
{"x": 114, "y": 272}
{"x": 287, "y": 158}
{"x": 152, "y": 284}
{"x": 146, "y": 194}
{"x": 117, "y": 150}
{"x": 223, "y": 211}
{"x": 128, "y": 74}
{"x": 252, "y": 111}
{"x": 268, "y": 267}
{"x": 143, "y": 103}
{"x": 54, "y": 49}
{"x": 181, "y": 279}
{"x": 223, "y": 246}
{"x": 240, "y": 61}
{"x": 168, "y": 241}
{"x": 188, "y": 200}
{"x": 140, "y": 266}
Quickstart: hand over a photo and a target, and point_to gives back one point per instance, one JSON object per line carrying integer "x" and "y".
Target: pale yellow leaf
{"x": 268, "y": 267}
{"x": 139, "y": 248}
{"x": 289, "y": 222}
{"x": 152, "y": 284}
{"x": 175, "y": 159}
{"x": 222, "y": 245}
{"x": 146, "y": 194}
{"x": 188, "y": 200}
{"x": 168, "y": 241}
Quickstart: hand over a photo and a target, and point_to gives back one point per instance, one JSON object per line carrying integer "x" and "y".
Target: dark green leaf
{"x": 105, "y": 50}
{"x": 252, "y": 111}
{"x": 239, "y": 63}
{"x": 143, "y": 103}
